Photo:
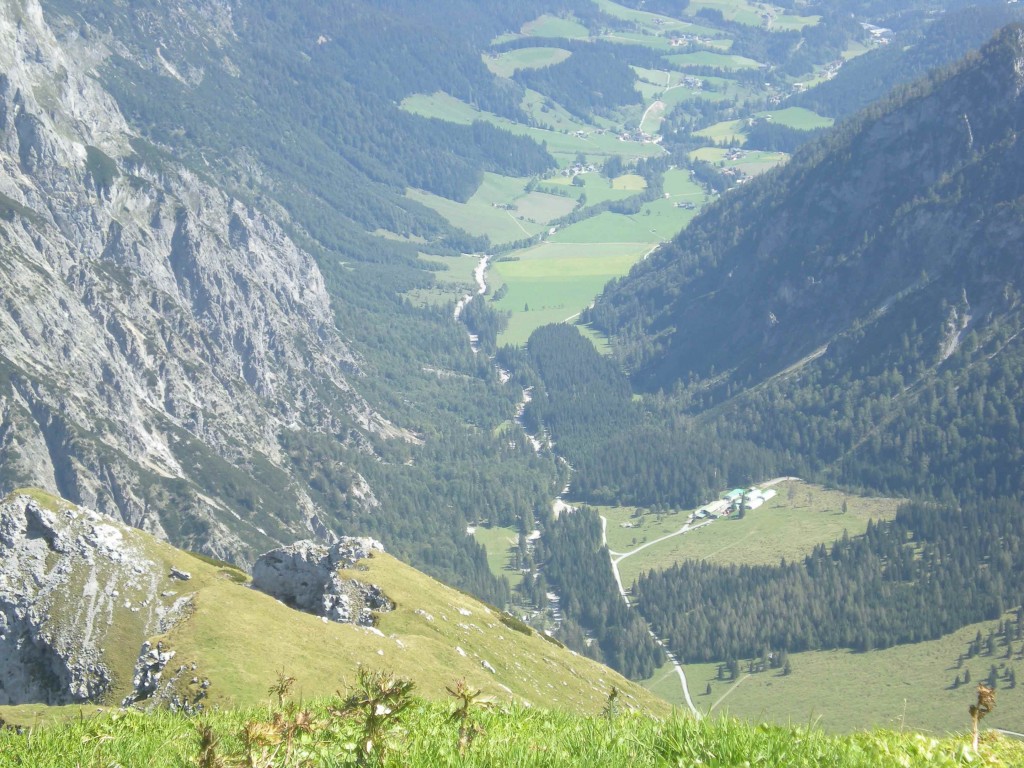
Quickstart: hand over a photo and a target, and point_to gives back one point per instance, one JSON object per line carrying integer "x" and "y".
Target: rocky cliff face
{"x": 73, "y": 586}
{"x": 156, "y": 334}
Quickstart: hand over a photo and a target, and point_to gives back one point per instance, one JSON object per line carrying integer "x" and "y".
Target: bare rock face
{"x": 155, "y": 333}
{"x": 68, "y": 575}
{"x": 307, "y": 576}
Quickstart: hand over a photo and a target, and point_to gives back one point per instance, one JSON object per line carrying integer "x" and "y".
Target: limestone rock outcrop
{"x": 69, "y": 577}
{"x": 312, "y": 578}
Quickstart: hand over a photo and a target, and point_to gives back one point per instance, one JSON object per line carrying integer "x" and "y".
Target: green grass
{"x": 480, "y": 216}
{"x": 751, "y": 162}
{"x": 654, "y": 23}
{"x": 556, "y": 281}
{"x": 725, "y": 131}
{"x": 562, "y": 143}
{"x": 649, "y": 39}
{"x": 793, "y": 117}
{"x": 240, "y": 639}
{"x": 553, "y": 26}
{"x": 799, "y": 118}
{"x": 499, "y": 543}
{"x": 788, "y": 526}
{"x": 608, "y": 227}
{"x": 629, "y": 181}
{"x": 726, "y": 61}
{"x": 596, "y": 187}
{"x": 755, "y": 14}
{"x": 508, "y": 63}
{"x": 429, "y": 734}
{"x": 450, "y": 284}
{"x": 905, "y": 686}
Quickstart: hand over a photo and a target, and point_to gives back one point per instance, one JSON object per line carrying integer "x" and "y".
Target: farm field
{"x": 799, "y": 118}
{"x": 905, "y": 686}
{"x": 478, "y": 216}
{"x": 726, "y": 61}
{"x": 506, "y": 64}
{"x": 788, "y": 526}
{"x": 653, "y": 22}
{"x": 754, "y": 14}
{"x": 793, "y": 117}
{"x": 565, "y": 146}
{"x": 500, "y": 208}
{"x": 455, "y": 278}
{"x": 752, "y": 162}
{"x": 553, "y": 26}
{"x": 725, "y": 131}
{"x": 609, "y": 227}
{"x": 551, "y": 283}
{"x": 499, "y": 543}
{"x": 655, "y": 41}
{"x": 596, "y": 187}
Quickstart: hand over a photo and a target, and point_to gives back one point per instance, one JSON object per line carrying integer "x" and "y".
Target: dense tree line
{"x": 579, "y": 567}
{"x": 929, "y": 571}
{"x": 591, "y": 81}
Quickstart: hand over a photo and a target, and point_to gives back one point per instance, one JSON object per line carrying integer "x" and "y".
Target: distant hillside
{"x": 860, "y": 307}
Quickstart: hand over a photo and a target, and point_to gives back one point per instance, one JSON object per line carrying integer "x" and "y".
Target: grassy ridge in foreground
{"x": 428, "y": 734}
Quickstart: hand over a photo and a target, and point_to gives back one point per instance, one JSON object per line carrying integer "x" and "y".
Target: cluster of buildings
{"x": 733, "y": 501}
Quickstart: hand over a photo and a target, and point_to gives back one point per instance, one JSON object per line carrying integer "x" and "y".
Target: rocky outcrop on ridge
{"x": 308, "y": 576}
{"x": 68, "y": 577}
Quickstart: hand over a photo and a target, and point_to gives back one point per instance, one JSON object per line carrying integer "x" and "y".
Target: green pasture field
{"x": 752, "y": 162}
{"x": 726, "y": 61}
{"x": 679, "y": 184}
{"x": 657, "y": 42}
{"x": 552, "y": 283}
{"x": 725, "y": 131}
{"x": 629, "y": 181}
{"x": 549, "y": 114}
{"x": 596, "y": 187}
{"x": 499, "y": 543}
{"x": 855, "y": 49}
{"x": 788, "y": 526}
{"x": 663, "y": 78}
{"x": 564, "y": 145}
{"x": 787, "y": 22}
{"x": 478, "y": 216}
{"x": 608, "y": 227}
{"x": 653, "y": 118}
{"x": 450, "y": 284}
{"x": 907, "y": 686}
{"x": 542, "y": 207}
{"x": 653, "y": 22}
{"x": 719, "y": 44}
{"x": 799, "y": 118}
{"x": 442, "y": 106}
{"x": 553, "y": 26}
{"x": 740, "y": 11}
{"x": 598, "y": 339}
{"x": 506, "y": 64}
{"x": 649, "y": 91}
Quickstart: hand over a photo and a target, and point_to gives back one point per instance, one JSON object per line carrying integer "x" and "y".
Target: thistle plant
{"x": 375, "y": 705}
{"x": 986, "y": 703}
{"x": 281, "y": 687}
{"x": 467, "y": 697}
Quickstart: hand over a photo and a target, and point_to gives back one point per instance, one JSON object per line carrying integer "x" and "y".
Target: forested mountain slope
{"x": 864, "y": 299}
{"x": 203, "y": 324}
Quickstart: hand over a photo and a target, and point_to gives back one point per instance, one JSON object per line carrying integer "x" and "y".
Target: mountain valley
{"x": 480, "y": 280}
